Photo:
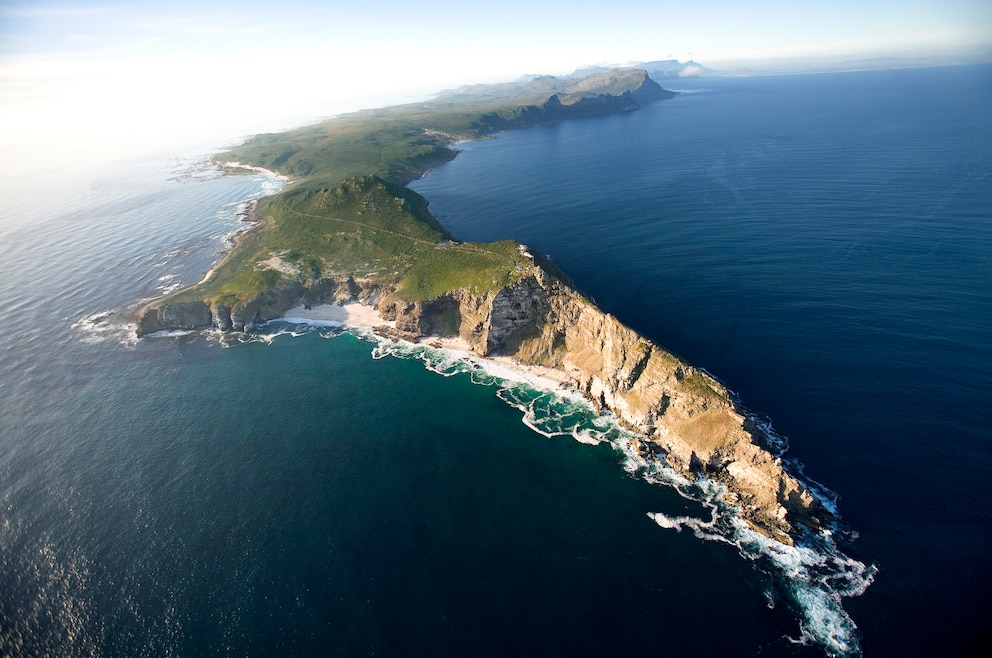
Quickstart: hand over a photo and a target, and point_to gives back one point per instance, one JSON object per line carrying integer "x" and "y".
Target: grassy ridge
{"x": 474, "y": 266}
{"x": 347, "y": 212}
{"x": 365, "y": 227}
{"x": 400, "y": 142}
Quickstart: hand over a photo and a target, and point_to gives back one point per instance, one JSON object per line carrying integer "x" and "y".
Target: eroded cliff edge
{"x": 687, "y": 418}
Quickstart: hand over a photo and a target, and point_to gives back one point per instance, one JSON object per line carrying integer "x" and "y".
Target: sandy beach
{"x": 257, "y": 170}
{"x": 504, "y": 367}
{"x": 348, "y": 315}
{"x": 359, "y": 315}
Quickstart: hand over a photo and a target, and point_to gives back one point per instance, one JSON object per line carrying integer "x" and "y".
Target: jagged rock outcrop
{"x": 188, "y": 315}
{"x": 165, "y": 315}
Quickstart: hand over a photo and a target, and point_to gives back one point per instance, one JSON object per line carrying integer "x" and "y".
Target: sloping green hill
{"x": 347, "y": 213}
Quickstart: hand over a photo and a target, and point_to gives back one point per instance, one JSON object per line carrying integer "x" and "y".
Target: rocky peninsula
{"x": 347, "y": 230}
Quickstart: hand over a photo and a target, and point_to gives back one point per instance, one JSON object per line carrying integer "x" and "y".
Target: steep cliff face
{"x": 162, "y": 315}
{"x": 190, "y": 315}
{"x": 688, "y": 418}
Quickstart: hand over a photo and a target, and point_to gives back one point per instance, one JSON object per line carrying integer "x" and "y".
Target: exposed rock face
{"x": 164, "y": 315}
{"x": 263, "y": 308}
{"x": 635, "y": 82}
{"x": 190, "y": 315}
{"x": 687, "y": 418}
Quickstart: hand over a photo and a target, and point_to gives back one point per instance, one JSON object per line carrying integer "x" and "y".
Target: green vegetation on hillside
{"x": 366, "y": 227}
{"x": 347, "y": 212}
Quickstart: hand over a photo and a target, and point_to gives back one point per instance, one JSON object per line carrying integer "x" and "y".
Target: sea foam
{"x": 814, "y": 576}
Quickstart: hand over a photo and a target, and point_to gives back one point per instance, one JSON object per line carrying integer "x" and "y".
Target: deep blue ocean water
{"x": 822, "y": 243}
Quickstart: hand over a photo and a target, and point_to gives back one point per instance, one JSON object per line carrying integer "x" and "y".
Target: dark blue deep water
{"x": 821, "y": 243}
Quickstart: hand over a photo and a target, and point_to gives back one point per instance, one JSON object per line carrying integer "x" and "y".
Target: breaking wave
{"x": 109, "y": 326}
{"x": 811, "y": 578}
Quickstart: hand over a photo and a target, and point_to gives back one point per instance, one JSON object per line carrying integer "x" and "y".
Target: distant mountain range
{"x": 658, "y": 70}
{"x": 630, "y": 83}
{"x": 668, "y": 69}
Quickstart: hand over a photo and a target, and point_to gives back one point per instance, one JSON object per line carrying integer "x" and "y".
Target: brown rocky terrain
{"x": 686, "y": 417}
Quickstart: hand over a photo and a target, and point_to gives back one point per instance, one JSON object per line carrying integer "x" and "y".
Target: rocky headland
{"x": 370, "y": 240}
{"x": 686, "y": 417}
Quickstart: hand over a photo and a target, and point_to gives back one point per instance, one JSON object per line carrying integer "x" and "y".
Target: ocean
{"x": 820, "y": 243}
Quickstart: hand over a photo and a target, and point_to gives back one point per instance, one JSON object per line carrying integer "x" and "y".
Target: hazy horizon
{"x": 102, "y": 81}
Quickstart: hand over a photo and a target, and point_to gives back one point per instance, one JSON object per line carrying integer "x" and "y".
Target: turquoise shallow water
{"x": 820, "y": 243}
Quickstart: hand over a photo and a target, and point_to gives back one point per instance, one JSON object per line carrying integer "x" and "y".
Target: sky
{"x": 99, "y": 78}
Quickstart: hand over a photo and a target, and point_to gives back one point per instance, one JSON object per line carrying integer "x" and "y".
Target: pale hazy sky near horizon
{"x": 104, "y": 76}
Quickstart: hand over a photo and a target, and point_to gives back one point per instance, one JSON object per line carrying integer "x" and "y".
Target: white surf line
{"x": 817, "y": 575}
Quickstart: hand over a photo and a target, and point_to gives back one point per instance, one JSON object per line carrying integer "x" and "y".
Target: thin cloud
{"x": 55, "y": 12}
{"x": 225, "y": 30}
{"x": 80, "y": 38}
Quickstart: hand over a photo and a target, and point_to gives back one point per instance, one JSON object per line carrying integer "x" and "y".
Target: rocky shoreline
{"x": 687, "y": 419}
